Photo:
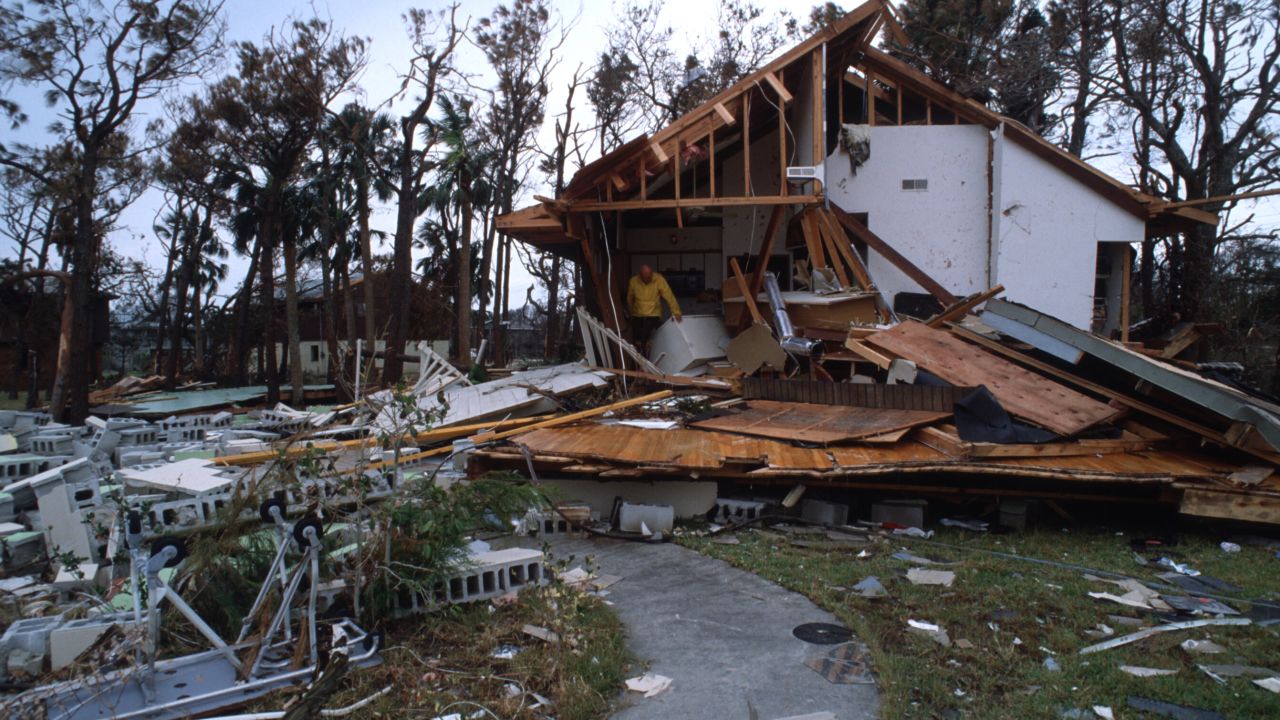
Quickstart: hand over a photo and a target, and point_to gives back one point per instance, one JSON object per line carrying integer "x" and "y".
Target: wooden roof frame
{"x": 605, "y": 183}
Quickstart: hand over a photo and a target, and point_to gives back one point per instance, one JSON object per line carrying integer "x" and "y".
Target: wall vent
{"x": 916, "y": 184}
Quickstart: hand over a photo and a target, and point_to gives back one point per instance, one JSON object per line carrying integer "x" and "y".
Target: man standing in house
{"x": 645, "y": 294}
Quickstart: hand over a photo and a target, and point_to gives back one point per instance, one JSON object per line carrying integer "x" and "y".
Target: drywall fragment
{"x": 649, "y": 683}
{"x": 922, "y": 576}
{"x": 1206, "y": 647}
{"x": 1144, "y": 672}
{"x": 870, "y": 587}
{"x": 541, "y": 633}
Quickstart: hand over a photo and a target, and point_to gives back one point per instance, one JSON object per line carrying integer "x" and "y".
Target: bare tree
{"x": 1201, "y": 80}
{"x": 434, "y": 38}
{"x": 96, "y": 65}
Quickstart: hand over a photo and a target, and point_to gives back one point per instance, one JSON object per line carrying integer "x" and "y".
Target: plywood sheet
{"x": 812, "y": 423}
{"x": 1023, "y": 393}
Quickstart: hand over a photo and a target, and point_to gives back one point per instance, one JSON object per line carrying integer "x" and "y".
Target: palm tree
{"x": 460, "y": 183}
{"x": 210, "y": 272}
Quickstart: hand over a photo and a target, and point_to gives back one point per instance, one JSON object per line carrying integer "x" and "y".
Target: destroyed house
{"x": 841, "y": 143}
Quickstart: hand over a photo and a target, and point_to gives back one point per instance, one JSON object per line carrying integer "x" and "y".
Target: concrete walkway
{"x": 723, "y": 635}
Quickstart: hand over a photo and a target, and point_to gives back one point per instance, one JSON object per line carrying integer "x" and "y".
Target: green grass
{"x": 441, "y": 664}
{"x": 997, "y": 678}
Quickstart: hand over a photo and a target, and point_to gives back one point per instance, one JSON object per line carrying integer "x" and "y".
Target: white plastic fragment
{"x": 649, "y": 683}
{"x": 1143, "y": 672}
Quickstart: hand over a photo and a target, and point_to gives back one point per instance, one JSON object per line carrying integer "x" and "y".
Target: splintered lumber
{"x": 811, "y": 423}
{"x": 958, "y": 310}
{"x": 574, "y": 417}
{"x": 766, "y": 250}
{"x": 1024, "y": 394}
{"x": 895, "y": 258}
{"x": 1256, "y": 507}
{"x": 747, "y": 297}
{"x": 934, "y": 398}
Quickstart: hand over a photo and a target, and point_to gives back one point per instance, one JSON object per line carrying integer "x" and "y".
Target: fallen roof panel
{"x": 1221, "y": 399}
{"x": 821, "y": 424}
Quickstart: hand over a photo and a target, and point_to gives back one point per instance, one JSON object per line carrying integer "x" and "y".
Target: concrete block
{"x": 821, "y": 511}
{"x": 23, "y": 663}
{"x": 1018, "y": 514}
{"x": 657, "y": 518}
{"x": 68, "y": 641}
{"x": 730, "y": 510}
{"x": 902, "y": 512}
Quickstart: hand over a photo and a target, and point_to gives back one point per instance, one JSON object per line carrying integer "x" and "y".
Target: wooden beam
{"x": 845, "y": 248}
{"x": 782, "y": 149}
{"x": 668, "y": 203}
{"x": 819, "y": 118}
{"x": 711, "y": 163}
{"x": 812, "y": 241}
{"x": 578, "y": 229}
{"x": 1126, "y": 282}
{"x": 747, "y": 297}
{"x": 960, "y": 308}
{"x": 868, "y": 354}
{"x": 770, "y": 234}
{"x": 659, "y": 153}
{"x": 783, "y": 95}
{"x": 895, "y": 258}
{"x": 725, "y": 116}
{"x": 1218, "y": 199}
{"x": 574, "y": 417}
{"x": 1251, "y": 507}
{"x": 871, "y": 99}
{"x": 746, "y": 144}
{"x": 833, "y": 250}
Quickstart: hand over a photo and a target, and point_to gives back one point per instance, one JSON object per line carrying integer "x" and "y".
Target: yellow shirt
{"x": 642, "y": 297}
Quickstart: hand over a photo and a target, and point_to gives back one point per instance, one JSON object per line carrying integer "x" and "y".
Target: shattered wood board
{"x": 1021, "y": 392}
{"x": 890, "y": 397}
{"x": 822, "y": 424}
{"x": 683, "y": 448}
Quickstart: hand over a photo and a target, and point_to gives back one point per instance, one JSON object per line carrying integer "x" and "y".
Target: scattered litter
{"x": 1199, "y": 605}
{"x": 1104, "y": 712}
{"x": 577, "y": 577}
{"x": 964, "y": 644}
{"x": 649, "y": 683}
{"x": 1141, "y": 634}
{"x": 506, "y": 652}
{"x": 845, "y": 664}
{"x": 870, "y": 587}
{"x": 933, "y": 631}
{"x": 1144, "y": 672}
{"x": 912, "y": 558}
{"x": 1177, "y": 566}
{"x": 1238, "y": 671}
{"x": 1229, "y": 547}
{"x": 913, "y": 532}
{"x": 541, "y": 633}
{"x": 1052, "y": 665}
{"x": 1271, "y": 683}
{"x": 974, "y": 525}
{"x": 921, "y": 576}
{"x": 1171, "y": 710}
{"x": 1205, "y": 647}
{"x": 1199, "y": 585}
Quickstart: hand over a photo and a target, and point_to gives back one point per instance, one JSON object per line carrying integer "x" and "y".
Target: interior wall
{"x": 1047, "y": 229}
{"x": 942, "y": 229}
{"x": 744, "y": 227}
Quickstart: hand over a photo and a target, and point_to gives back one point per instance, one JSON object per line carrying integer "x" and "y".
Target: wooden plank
{"x": 817, "y": 115}
{"x": 1080, "y": 447}
{"x": 671, "y": 203}
{"x": 659, "y": 154}
{"x": 1126, "y": 282}
{"x": 833, "y": 252}
{"x": 812, "y": 241}
{"x": 812, "y": 423}
{"x": 766, "y": 250}
{"x": 868, "y": 354}
{"x": 892, "y": 397}
{"x": 1251, "y": 507}
{"x": 1024, "y": 394}
{"x": 578, "y": 229}
{"x": 746, "y": 144}
{"x": 725, "y": 116}
{"x": 783, "y": 94}
{"x": 747, "y": 297}
{"x": 886, "y": 251}
{"x": 845, "y": 248}
{"x": 711, "y": 163}
{"x": 574, "y": 417}
{"x": 958, "y": 310}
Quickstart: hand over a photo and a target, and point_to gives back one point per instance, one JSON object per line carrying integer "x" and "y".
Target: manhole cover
{"x": 822, "y": 633}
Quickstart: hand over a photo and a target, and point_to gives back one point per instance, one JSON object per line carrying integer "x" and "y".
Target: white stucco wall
{"x": 1047, "y": 229}
{"x": 943, "y": 229}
